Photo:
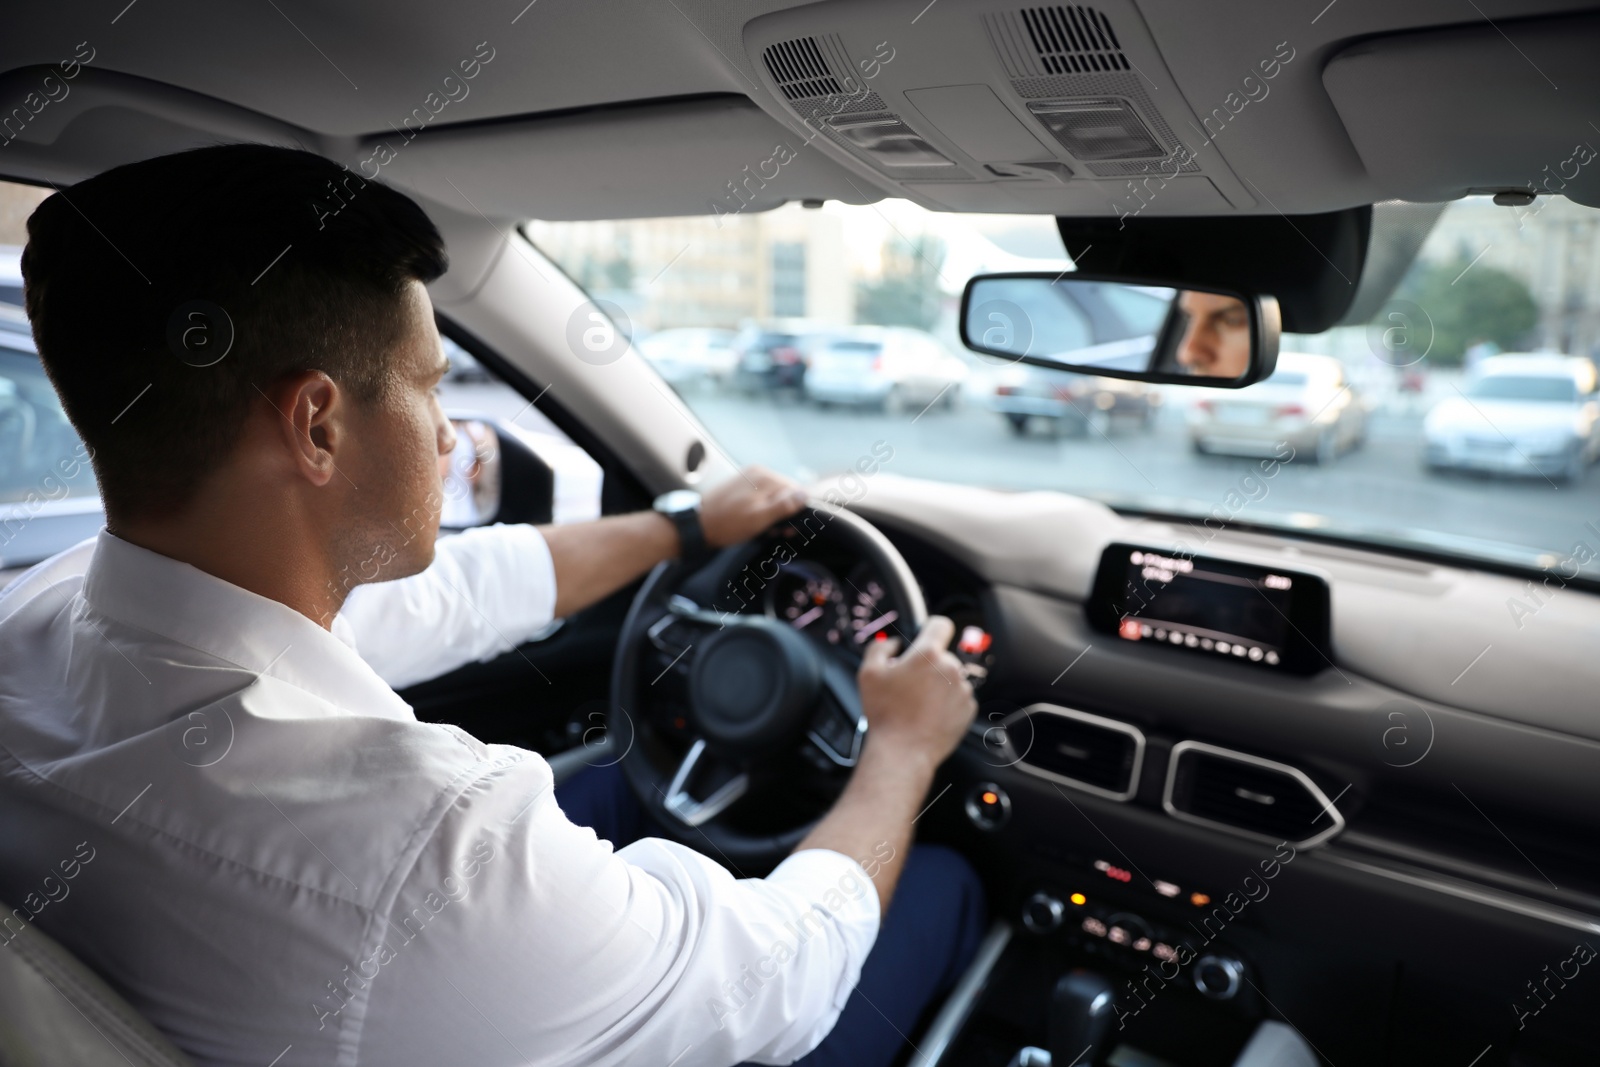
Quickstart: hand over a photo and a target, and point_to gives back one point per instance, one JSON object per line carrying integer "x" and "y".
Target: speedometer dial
{"x": 870, "y": 613}
{"x": 809, "y": 598}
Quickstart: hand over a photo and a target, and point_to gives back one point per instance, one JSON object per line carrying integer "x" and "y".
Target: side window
{"x": 41, "y": 457}
{"x": 476, "y": 400}
{"x": 48, "y": 498}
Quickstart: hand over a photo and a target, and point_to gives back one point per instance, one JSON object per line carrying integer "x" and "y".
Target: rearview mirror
{"x": 1117, "y": 328}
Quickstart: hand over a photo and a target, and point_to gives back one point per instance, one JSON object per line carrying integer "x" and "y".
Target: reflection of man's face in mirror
{"x": 1216, "y": 341}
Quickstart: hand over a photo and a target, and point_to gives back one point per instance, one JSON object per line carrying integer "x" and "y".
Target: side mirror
{"x": 1121, "y": 328}
{"x": 493, "y": 476}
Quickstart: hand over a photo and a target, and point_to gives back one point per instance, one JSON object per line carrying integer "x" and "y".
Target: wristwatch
{"x": 682, "y": 506}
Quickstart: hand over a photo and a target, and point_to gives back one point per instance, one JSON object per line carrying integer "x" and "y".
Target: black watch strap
{"x": 683, "y": 508}
{"x": 691, "y": 535}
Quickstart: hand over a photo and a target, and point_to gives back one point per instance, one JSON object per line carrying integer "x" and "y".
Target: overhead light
{"x": 889, "y": 141}
{"x": 1098, "y": 128}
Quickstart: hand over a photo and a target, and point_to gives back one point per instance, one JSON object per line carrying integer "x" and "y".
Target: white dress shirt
{"x": 276, "y": 863}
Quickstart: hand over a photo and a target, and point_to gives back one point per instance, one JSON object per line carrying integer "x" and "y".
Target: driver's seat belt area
{"x": 54, "y": 1010}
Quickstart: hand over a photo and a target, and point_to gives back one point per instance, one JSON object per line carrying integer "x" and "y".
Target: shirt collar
{"x": 169, "y": 598}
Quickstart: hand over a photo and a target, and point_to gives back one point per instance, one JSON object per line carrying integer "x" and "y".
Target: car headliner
{"x": 634, "y": 108}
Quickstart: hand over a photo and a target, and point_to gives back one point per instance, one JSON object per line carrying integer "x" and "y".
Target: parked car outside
{"x": 1307, "y": 403}
{"x": 691, "y": 356}
{"x": 1066, "y": 403}
{"x": 771, "y": 356}
{"x": 895, "y": 368}
{"x": 1533, "y": 414}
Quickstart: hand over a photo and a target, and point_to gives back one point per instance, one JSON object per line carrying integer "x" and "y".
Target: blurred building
{"x": 700, "y": 271}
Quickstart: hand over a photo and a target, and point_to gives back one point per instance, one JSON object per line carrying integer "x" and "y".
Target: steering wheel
{"x": 743, "y": 728}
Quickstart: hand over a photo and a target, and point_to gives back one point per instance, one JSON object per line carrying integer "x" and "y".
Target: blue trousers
{"x": 927, "y": 938}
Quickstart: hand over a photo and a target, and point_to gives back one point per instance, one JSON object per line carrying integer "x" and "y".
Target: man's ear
{"x": 312, "y": 410}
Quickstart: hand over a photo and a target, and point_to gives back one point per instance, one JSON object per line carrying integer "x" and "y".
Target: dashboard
{"x": 1428, "y": 819}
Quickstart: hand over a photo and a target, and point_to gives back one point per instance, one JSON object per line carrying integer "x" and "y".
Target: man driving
{"x": 277, "y": 863}
{"x": 1216, "y": 334}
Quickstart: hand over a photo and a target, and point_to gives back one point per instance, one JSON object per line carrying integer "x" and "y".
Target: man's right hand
{"x": 919, "y": 701}
{"x": 918, "y": 705}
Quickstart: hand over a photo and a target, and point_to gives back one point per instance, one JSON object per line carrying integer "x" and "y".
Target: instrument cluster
{"x": 844, "y": 607}
{"x": 843, "y": 612}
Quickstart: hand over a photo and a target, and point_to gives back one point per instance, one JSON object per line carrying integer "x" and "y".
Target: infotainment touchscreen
{"x": 1266, "y": 617}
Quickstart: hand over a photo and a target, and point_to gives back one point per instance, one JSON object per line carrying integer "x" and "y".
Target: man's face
{"x": 1216, "y": 342}
{"x": 398, "y": 440}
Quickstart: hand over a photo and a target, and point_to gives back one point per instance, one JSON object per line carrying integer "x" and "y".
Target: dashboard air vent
{"x": 1248, "y": 795}
{"x": 1073, "y": 40}
{"x": 800, "y": 70}
{"x": 1100, "y": 756}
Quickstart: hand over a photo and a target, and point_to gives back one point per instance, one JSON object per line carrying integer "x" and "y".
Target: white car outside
{"x": 691, "y": 355}
{"x": 1521, "y": 413}
{"x": 1306, "y": 404}
{"x": 893, "y": 367}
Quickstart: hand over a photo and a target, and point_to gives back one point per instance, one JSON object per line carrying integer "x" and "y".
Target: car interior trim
{"x": 1477, "y": 894}
{"x": 963, "y": 998}
{"x": 1093, "y": 720}
{"x": 1328, "y": 806}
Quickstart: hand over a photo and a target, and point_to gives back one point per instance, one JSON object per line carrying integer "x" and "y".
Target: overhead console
{"x": 997, "y": 107}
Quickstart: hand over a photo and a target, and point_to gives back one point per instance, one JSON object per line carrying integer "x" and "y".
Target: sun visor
{"x": 1481, "y": 108}
{"x": 718, "y": 155}
{"x": 64, "y": 126}
{"x": 1311, "y": 263}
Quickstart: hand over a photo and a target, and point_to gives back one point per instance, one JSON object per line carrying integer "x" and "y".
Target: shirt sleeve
{"x": 559, "y": 950}
{"x": 488, "y": 590}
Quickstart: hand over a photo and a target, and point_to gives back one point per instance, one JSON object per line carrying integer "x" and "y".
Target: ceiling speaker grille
{"x": 1248, "y": 795}
{"x": 1073, "y": 40}
{"x": 1072, "y": 53}
{"x": 800, "y": 69}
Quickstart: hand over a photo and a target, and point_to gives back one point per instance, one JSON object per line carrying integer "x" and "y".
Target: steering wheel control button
{"x": 753, "y": 687}
{"x": 1218, "y": 977}
{"x": 988, "y": 806}
{"x": 832, "y": 729}
{"x": 1043, "y": 913}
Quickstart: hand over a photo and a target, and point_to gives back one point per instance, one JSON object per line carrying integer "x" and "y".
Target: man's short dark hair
{"x": 125, "y": 273}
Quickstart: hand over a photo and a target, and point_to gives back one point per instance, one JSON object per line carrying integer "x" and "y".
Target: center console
{"x": 1175, "y": 997}
{"x": 1161, "y": 964}
{"x": 1046, "y": 995}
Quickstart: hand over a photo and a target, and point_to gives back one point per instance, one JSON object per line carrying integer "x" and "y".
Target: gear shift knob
{"x": 1081, "y": 1007}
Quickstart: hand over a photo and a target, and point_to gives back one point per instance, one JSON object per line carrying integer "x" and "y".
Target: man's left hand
{"x": 743, "y": 506}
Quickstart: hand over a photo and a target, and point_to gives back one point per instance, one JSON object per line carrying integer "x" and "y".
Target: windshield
{"x": 1391, "y": 439}
{"x": 1509, "y": 387}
